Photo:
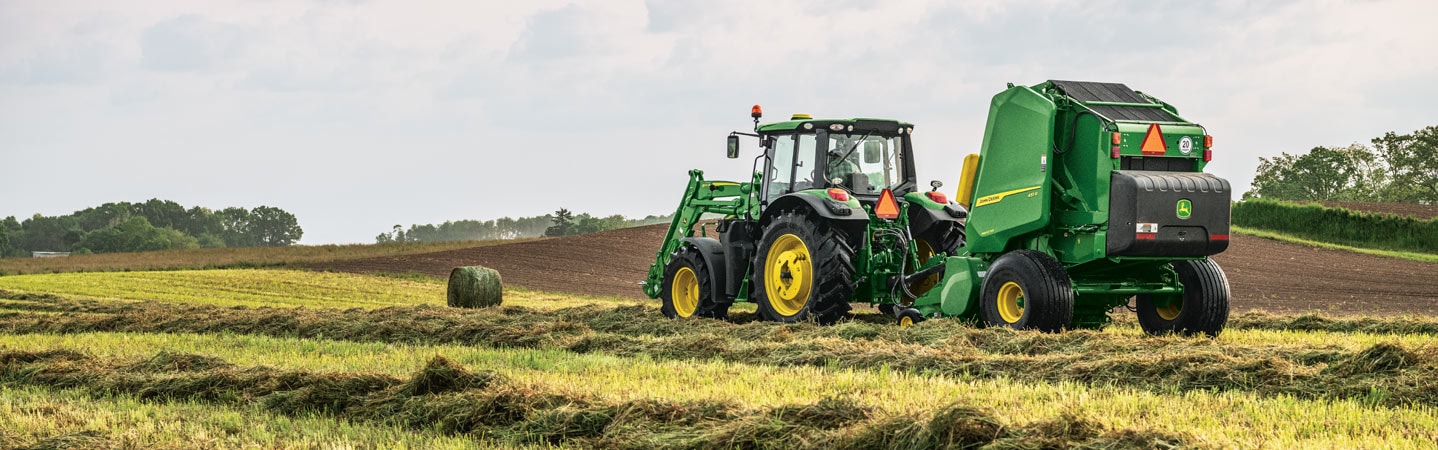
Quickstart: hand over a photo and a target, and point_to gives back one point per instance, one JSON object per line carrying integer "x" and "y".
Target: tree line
{"x": 153, "y": 225}
{"x": 561, "y": 223}
{"x": 1396, "y": 168}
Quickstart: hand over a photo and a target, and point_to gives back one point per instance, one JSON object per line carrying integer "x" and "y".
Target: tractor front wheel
{"x": 1027, "y": 290}
{"x": 803, "y": 270}
{"x": 1202, "y": 308}
{"x": 687, "y": 290}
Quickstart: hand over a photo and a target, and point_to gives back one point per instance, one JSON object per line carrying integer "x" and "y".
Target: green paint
{"x": 1184, "y": 208}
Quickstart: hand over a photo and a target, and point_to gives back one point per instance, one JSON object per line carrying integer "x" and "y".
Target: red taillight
{"x": 1113, "y": 153}
{"x": 1207, "y": 155}
{"x": 839, "y": 194}
{"x": 938, "y": 197}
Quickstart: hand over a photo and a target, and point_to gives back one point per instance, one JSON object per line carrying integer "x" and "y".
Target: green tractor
{"x": 833, "y": 215}
{"x": 1084, "y": 197}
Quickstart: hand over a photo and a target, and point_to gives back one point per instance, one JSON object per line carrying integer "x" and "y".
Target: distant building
{"x": 49, "y": 254}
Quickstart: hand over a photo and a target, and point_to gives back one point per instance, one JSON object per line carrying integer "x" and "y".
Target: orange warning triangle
{"x": 888, "y": 208}
{"x": 1153, "y": 141}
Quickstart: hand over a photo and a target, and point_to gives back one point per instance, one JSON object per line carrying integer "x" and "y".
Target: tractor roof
{"x": 883, "y": 126}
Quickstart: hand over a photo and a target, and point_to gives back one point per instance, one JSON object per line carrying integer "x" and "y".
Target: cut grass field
{"x": 261, "y": 287}
{"x": 605, "y": 373}
{"x": 222, "y": 258}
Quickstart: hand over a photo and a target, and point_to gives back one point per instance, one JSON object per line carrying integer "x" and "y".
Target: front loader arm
{"x": 718, "y": 197}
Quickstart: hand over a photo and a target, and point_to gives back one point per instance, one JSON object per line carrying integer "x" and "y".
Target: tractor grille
{"x": 1087, "y": 91}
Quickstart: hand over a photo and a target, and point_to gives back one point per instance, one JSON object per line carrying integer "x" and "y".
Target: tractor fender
{"x": 921, "y": 219}
{"x": 713, "y": 254}
{"x": 826, "y": 208}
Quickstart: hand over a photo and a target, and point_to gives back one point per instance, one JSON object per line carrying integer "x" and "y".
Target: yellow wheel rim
{"x": 788, "y": 275}
{"x": 906, "y": 321}
{"x": 1011, "y": 302}
{"x": 685, "y": 292}
{"x": 925, "y": 251}
{"x": 1171, "y": 311}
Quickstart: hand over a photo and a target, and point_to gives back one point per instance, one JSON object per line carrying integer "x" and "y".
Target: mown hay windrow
{"x": 474, "y": 287}
{"x": 507, "y": 412}
{"x": 1158, "y": 364}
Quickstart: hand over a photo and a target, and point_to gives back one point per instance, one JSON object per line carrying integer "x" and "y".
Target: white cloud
{"x": 358, "y": 115}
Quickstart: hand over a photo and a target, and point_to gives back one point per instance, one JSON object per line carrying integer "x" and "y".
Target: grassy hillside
{"x": 1339, "y": 226}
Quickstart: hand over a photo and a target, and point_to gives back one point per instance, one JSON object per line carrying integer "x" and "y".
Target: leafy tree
{"x": 1325, "y": 173}
{"x": 49, "y": 234}
{"x": 5, "y": 237}
{"x": 274, "y": 227}
{"x": 235, "y": 227}
{"x": 563, "y": 222}
{"x": 136, "y": 235}
{"x": 1413, "y": 159}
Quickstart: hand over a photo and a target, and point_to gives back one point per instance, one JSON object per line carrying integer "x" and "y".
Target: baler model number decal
{"x": 991, "y": 199}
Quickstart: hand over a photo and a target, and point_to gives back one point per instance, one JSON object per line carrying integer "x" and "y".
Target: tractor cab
{"x": 862, "y": 157}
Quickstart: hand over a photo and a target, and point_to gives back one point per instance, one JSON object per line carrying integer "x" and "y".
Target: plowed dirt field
{"x": 1264, "y": 274}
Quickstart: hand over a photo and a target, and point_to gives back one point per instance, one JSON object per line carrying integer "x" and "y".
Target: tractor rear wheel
{"x": 687, "y": 290}
{"x": 1027, "y": 290}
{"x": 1202, "y": 308}
{"x": 803, "y": 269}
{"x": 938, "y": 239}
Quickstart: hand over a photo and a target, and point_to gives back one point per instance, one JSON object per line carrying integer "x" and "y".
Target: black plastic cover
{"x": 1088, "y": 91}
{"x": 1145, "y": 197}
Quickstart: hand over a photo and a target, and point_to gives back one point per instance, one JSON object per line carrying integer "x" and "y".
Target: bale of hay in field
{"x": 474, "y": 287}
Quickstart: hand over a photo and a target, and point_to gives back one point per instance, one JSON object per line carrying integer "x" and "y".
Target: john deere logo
{"x": 1185, "y": 208}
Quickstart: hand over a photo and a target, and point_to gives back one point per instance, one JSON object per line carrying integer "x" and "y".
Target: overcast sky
{"x": 359, "y": 115}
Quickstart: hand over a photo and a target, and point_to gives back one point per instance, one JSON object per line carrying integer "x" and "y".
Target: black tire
{"x": 830, "y": 283}
{"x": 1044, "y": 299}
{"x": 702, "y": 298}
{"x": 945, "y": 238}
{"x": 889, "y": 309}
{"x": 909, "y": 317}
{"x": 1202, "y": 308}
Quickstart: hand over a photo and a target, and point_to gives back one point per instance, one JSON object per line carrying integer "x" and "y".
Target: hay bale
{"x": 474, "y": 287}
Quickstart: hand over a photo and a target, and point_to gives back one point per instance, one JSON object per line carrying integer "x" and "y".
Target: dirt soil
{"x": 1263, "y": 274}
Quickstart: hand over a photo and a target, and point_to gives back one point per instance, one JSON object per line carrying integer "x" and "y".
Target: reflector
{"x": 887, "y": 208}
{"x": 1153, "y": 143}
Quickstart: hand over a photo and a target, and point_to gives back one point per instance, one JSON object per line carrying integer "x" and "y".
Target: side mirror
{"x": 733, "y": 150}
{"x": 873, "y": 151}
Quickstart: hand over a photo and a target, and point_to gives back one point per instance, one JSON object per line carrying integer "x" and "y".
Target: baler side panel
{"x": 1011, "y": 191}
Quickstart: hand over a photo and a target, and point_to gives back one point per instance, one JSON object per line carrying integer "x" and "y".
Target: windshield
{"x": 866, "y": 164}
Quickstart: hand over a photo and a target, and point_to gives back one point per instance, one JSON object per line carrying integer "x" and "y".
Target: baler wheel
{"x": 909, "y": 317}
{"x": 803, "y": 270}
{"x": 1027, "y": 290}
{"x": 687, "y": 290}
{"x": 1202, "y": 308}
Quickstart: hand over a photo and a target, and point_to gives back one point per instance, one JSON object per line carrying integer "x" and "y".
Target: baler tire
{"x": 909, "y": 317}
{"x": 826, "y": 251}
{"x": 1202, "y": 309}
{"x": 693, "y": 278}
{"x": 1041, "y": 283}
